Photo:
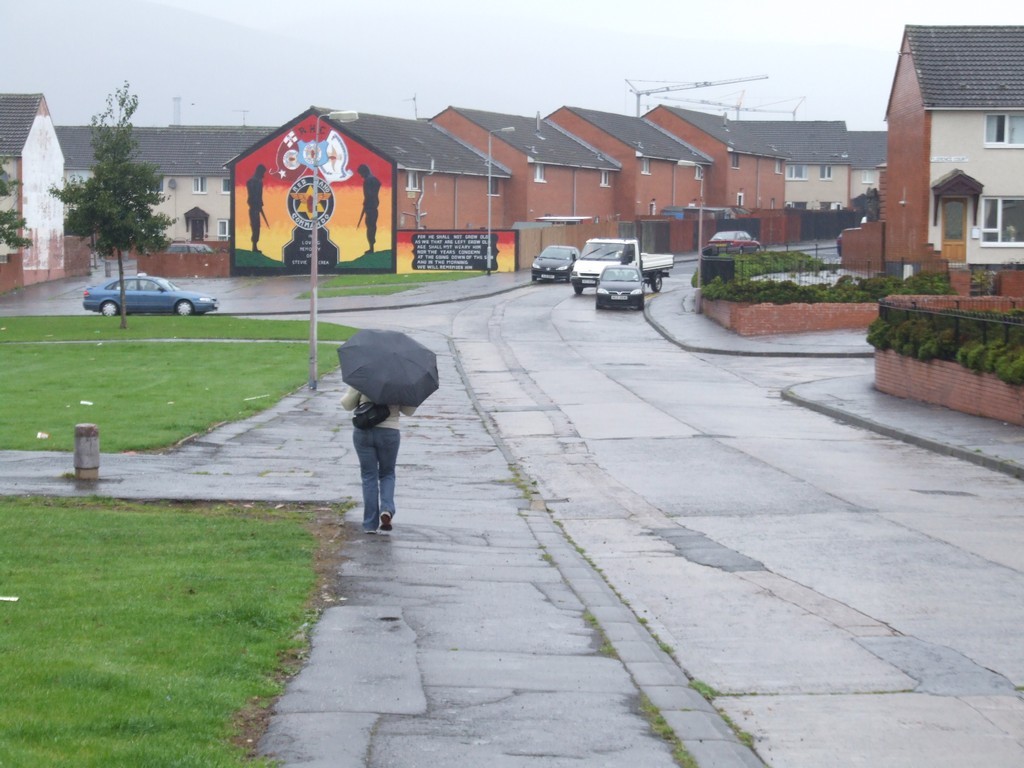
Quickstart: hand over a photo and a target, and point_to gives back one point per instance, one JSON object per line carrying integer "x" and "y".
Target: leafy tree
{"x": 10, "y": 221}
{"x": 115, "y": 205}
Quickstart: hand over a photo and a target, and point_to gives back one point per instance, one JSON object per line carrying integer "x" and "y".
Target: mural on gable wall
{"x": 273, "y": 204}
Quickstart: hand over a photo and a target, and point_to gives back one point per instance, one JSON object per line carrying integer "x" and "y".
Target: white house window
{"x": 199, "y": 185}
{"x": 867, "y": 177}
{"x": 796, "y": 172}
{"x": 698, "y": 172}
{"x": 1003, "y": 220}
{"x": 538, "y": 172}
{"x": 1004, "y": 130}
{"x": 605, "y": 179}
{"x": 825, "y": 173}
{"x": 739, "y": 199}
{"x": 778, "y": 166}
{"x": 734, "y": 159}
{"x": 412, "y": 181}
{"x": 222, "y": 229}
{"x": 225, "y": 185}
{"x": 494, "y": 191}
{"x": 645, "y": 166}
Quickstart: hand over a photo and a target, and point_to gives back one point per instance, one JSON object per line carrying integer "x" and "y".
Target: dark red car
{"x": 735, "y": 241}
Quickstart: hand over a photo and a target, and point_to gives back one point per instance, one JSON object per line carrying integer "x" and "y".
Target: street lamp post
{"x": 699, "y": 170}
{"x": 490, "y": 136}
{"x": 341, "y": 116}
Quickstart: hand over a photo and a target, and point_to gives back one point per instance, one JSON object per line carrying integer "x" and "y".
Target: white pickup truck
{"x": 599, "y": 253}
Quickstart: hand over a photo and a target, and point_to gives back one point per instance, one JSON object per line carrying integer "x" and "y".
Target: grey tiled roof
{"x": 868, "y": 149}
{"x": 643, "y": 136}
{"x": 803, "y": 141}
{"x": 177, "y": 150}
{"x": 541, "y": 140}
{"x": 967, "y": 67}
{"x": 419, "y": 145}
{"x": 732, "y": 133}
{"x": 17, "y": 113}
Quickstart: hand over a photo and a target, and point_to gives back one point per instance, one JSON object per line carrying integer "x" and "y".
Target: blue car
{"x": 146, "y": 295}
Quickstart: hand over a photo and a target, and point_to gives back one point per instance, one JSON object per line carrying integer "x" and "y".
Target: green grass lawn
{"x": 374, "y": 285}
{"x": 148, "y": 634}
{"x": 145, "y": 394}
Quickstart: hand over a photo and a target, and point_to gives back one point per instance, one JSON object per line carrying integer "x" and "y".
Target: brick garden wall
{"x": 765, "y": 319}
{"x": 965, "y": 303}
{"x": 949, "y": 385}
{"x": 216, "y": 264}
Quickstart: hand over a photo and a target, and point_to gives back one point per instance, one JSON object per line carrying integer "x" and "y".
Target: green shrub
{"x": 846, "y": 290}
{"x": 880, "y": 334}
{"x": 921, "y": 339}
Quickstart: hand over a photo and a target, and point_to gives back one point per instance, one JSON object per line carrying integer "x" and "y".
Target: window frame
{"x": 495, "y": 190}
{"x": 606, "y": 178}
{"x": 223, "y": 229}
{"x": 645, "y": 166}
{"x": 412, "y": 180}
{"x": 791, "y": 169}
{"x": 538, "y": 173}
{"x": 734, "y": 160}
{"x": 199, "y": 185}
{"x": 1006, "y": 129}
{"x": 825, "y": 173}
{"x": 225, "y": 185}
{"x": 992, "y": 236}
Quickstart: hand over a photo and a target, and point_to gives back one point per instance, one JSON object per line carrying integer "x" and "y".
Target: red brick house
{"x": 955, "y": 174}
{"x": 746, "y": 172}
{"x": 442, "y": 182}
{"x": 658, "y": 170}
{"x": 554, "y": 175}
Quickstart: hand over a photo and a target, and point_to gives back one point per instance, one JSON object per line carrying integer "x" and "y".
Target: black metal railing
{"x": 966, "y": 325}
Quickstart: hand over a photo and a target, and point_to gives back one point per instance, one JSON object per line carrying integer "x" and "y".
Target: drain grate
{"x": 943, "y": 493}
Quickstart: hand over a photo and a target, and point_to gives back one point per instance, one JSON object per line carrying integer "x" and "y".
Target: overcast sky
{"x": 261, "y": 62}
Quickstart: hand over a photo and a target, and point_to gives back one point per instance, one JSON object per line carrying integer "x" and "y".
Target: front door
{"x": 954, "y": 229}
{"x": 198, "y": 230}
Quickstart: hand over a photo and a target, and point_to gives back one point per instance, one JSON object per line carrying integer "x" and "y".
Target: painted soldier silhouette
{"x": 254, "y": 187}
{"x": 371, "y": 201}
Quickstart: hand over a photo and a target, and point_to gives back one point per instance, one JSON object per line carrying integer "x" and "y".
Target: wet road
{"x": 853, "y": 600}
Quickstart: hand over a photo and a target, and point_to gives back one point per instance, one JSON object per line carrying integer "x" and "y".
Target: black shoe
{"x": 385, "y": 521}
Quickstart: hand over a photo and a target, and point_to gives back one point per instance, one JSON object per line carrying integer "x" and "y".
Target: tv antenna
{"x": 677, "y": 86}
{"x": 244, "y": 113}
{"x": 415, "y": 113}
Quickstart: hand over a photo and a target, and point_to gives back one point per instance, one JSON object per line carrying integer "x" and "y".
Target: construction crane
{"x": 676, "y": 86}
{"x": 738, "y": 106}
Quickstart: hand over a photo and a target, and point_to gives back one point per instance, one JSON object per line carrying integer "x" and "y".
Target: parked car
{"x": 554, "y": 263}
{"x": 189, "y": 248}
{"x": 146, "y": 295}
{"x": 733, "y": 241}
{"x": 620, "y": 286}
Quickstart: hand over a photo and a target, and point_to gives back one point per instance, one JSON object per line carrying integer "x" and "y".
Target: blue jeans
{"x": 377, "y": 449}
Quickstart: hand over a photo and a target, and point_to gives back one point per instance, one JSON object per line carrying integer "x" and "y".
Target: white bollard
{"x": 87, "y": 452}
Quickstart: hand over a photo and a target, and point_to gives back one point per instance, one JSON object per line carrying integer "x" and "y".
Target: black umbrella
{"x": 388, "y": 367}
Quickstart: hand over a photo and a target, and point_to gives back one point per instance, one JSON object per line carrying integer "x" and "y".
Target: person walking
{"x": 377, "y": 449}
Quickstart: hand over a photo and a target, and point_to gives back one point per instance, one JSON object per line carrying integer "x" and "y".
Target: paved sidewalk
{"x": 461, "y": 639}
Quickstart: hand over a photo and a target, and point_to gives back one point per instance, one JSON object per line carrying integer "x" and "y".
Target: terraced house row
{"x": 946, "y": 175}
